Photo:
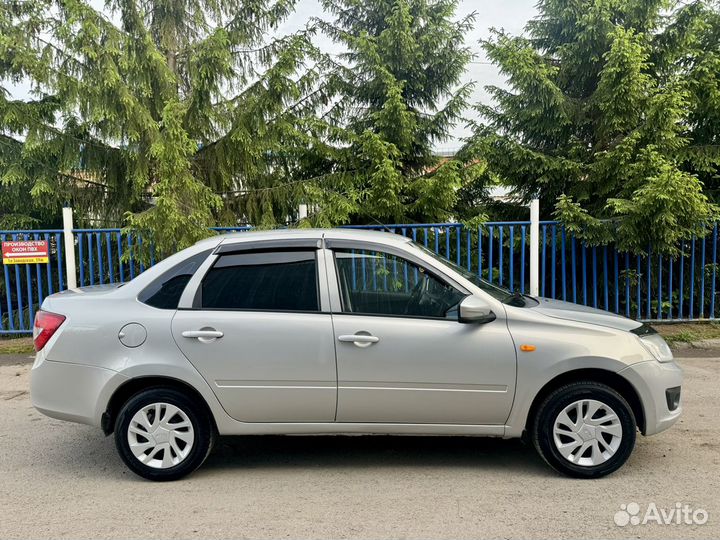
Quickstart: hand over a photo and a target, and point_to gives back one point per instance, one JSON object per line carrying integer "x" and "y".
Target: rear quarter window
{"x": 165, "y": 291}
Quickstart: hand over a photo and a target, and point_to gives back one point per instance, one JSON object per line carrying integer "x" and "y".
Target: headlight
{"x": 656, "y": 346}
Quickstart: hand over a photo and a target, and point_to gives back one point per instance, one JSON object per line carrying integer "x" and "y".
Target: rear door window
{"x": 265, "y": 281}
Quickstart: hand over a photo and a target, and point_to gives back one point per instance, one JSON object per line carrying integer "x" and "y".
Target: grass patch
{"x": 688, "y": 332}
{"x": 23, "y": 345}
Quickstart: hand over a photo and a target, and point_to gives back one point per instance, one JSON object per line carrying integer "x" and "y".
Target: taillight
{"x": 46, "y": 324}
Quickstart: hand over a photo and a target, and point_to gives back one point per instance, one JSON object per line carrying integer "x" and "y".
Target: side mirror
{"x": 475, "y": 310}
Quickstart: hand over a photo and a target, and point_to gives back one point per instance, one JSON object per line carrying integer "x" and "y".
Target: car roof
{"x": 367, "y": 235}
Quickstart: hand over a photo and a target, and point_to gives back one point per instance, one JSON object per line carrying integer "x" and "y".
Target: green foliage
{"x": 171, "y": 116}
{"x": 580, "y": 224}
{"x": 183, "y": 208}
{"x": 668, "y": 207}
{"x": 611, "y": 118}
{"x": 397, "y": 94}
{"x": 174, "y": 115}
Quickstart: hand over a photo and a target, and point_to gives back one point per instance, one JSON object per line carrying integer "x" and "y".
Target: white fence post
{"x": 70, "y": 271}
{"x": 534, "y": 247}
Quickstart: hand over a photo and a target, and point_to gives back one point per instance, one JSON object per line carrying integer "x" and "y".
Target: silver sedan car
{"x": 343, "y": 331}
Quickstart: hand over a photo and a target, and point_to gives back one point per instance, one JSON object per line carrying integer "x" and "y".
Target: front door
{"x": 259, "y": 338}
{"x": 402, "y": 355}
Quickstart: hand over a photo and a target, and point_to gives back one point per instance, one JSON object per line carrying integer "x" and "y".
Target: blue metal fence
{"x": 24, "y": 286}
{"x": 644, "y": 287}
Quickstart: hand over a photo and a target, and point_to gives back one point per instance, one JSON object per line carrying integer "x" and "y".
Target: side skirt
{"x": 243, "y": 428}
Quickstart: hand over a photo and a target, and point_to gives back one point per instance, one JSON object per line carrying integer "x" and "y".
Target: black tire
{"x": 543, "y": 424}
{"x": 203, "y": 429}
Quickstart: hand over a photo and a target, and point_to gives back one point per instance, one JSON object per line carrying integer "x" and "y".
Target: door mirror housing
{"x": 474, "y": 310}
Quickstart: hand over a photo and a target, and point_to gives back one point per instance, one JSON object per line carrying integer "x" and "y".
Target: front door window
{"x": 377, "y": 283}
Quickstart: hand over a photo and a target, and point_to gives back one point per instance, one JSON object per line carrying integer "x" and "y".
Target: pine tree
{"x": 397, "y": 94}
{"x": 691, "y": 45}
{"x": 179, "y": 112}
{"x": 602, "y": 121}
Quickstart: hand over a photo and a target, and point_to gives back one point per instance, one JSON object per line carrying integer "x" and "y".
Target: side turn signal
{"x": 527, "y": 348}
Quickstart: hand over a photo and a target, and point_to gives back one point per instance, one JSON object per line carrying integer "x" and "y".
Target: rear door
{"x": 258, "y": 331}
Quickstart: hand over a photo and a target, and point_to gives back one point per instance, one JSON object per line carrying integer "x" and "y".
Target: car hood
{"x": 576, "y": 312}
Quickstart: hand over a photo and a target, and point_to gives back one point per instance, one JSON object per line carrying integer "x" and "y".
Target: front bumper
{"x": 652, "y": 380}
{"x": 71, "y": 392}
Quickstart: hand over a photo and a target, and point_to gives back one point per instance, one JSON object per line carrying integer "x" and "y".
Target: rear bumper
{"x": 71, "y": 391}
{"x": 652, "y": 380}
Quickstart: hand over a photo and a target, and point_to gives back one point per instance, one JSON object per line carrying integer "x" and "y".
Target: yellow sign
{"x": 26, "y": 260}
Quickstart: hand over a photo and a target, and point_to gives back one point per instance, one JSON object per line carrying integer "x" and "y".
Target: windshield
{"x": 496, "y": 292}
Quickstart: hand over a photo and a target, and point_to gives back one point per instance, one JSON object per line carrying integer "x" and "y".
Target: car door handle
{"x": 202, "y": 334}
{"x": 359, "y": 339}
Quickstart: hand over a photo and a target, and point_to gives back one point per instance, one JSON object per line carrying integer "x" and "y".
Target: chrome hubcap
{"x": 587, "y": 432}
{"x": 160, "y": 435}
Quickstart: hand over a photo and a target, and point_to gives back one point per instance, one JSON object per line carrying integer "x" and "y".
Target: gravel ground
{"x": 63, "y": 480}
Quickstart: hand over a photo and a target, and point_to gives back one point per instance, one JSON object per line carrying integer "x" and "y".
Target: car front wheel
{"x": 162, "y": 434}
{"x": 584, "y": 429}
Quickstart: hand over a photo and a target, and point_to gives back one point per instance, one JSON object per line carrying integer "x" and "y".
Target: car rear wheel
{"x": 162, "y": 434}
{"x": 584, "y": 429}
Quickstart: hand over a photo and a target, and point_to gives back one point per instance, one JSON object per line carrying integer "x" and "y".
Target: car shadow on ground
{"x": 331, "y": 452}
{"x": 273, "y": 452}
{"x": 372, "y": 451}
